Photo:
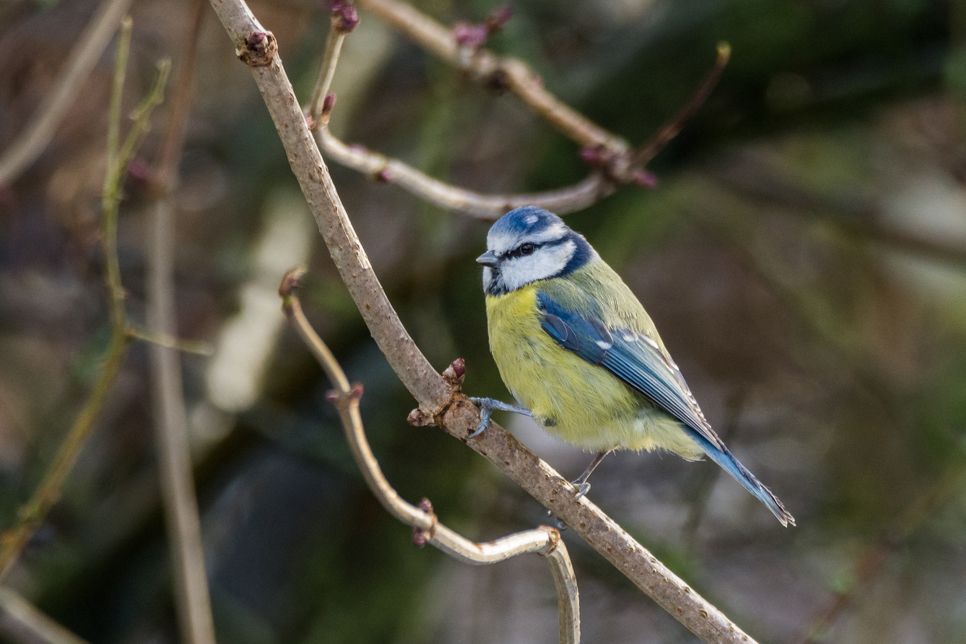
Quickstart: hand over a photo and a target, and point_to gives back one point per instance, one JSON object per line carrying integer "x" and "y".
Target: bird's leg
{"x": 488, "y": 406}
{"x": 583, "y": 487}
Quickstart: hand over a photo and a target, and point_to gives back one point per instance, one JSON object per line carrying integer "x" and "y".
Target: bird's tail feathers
{"x": 733, "y": 466}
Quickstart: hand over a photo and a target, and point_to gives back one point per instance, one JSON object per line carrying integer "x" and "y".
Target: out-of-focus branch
{"x": 611, "y": 158}
{"x": 439, "y": 403}
{"x": 504, "y": 73}
{"x": 32, "y": 513}
{"x": 384, "y": 169}
{"x": 197, "y": 347}
{"x": 80, "y": 62}
{"x": 545, "y": 541}
{"x": 643, "y": 155}
{"x": 18, "y": 617}
{"x": 192, "y": 598}
{"x": 562, "y": 201}
{"x": 854, "y": 217}
{"x": 875, "y": 556}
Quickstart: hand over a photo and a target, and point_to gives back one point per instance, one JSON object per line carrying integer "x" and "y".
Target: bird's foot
{"x": 487, "y": 407}
{"x": 557, "y": 522}
{"x": 582, "y": 487}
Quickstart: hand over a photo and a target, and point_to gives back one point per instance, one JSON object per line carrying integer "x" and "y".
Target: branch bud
{"x": 455, "y": 373}
{"x": 259, "y": 49}
{"x": 344, "y": 16}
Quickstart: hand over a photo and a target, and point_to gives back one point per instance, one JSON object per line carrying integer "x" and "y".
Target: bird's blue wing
{"x": 638, "y": 360}
{"x": 634, "y": 357}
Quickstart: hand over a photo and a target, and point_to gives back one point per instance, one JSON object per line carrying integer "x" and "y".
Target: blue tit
{"x": 577, "y": 349}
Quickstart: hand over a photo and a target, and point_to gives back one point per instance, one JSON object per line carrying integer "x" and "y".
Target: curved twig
{"x": 544, "y": 540}
{"x": 439, "y": 403}
{"x": 482, "y": 206}
{"x": 611, "y": 158}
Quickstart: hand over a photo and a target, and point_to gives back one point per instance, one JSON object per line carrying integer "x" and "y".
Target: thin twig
{"x": 196, "y": 347}
{"x": 80, "y": 62}
{"x": 438, "y": 402}
{"x": 544, "y": 540}
{"x": 643, "y": 155}
{"x": 192, "y": 597}
{"x": 444, "y": 195}
{"x": 32, "y": 513}
{"x": 482, "y": 206}
{"x": 875, "y": 556}
{"x": 613, "y": 161}
{"x": 507, "y": 73}
{"x": 29, "y": 622}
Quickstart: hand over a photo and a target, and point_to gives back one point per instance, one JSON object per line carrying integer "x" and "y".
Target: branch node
{"x": 345, "y": 18}
{"x": 383, "y": 176}
{"x": 420, "y": 536}
{"x": 419, "y": 418}
{"x": 455, "y": 373}
{"x": 290, "y": 282}
{"x": 258, "y": 50}
{"x": 327, "y": 104}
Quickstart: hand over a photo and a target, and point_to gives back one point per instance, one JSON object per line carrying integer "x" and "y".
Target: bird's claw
{"x": 485, "y": 413}
{"x": 582, "y": 489}
{"x": 557, "y": 522}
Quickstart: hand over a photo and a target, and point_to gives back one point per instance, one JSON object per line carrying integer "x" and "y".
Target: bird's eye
{"x": 527, "y": 249}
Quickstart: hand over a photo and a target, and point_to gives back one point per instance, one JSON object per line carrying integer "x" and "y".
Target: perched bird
{"x": 577, "y": 349}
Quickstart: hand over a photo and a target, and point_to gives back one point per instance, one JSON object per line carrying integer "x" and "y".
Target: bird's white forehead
{"x": 505, "y": 240}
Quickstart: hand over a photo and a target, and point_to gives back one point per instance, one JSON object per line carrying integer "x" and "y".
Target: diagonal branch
{"x": 545, "y": 541}
{"x": 439, "y": 403}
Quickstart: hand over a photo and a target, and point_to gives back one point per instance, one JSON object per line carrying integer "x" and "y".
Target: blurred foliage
{"x": 804, "y": 257}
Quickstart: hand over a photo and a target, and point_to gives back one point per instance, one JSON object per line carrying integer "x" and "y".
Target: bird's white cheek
{"x": 487, "y": 277}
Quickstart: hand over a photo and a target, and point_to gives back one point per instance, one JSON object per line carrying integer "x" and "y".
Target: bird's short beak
{"x": 488, "y": 258}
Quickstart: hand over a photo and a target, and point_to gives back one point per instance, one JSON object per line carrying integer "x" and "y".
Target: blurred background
{"x": 804, "y": 257}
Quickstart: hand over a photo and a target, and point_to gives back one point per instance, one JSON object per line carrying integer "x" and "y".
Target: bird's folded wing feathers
{"x": 631, "y": 356}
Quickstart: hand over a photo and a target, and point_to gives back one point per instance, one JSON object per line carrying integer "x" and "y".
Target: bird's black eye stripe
{"x": 526, "y": 248}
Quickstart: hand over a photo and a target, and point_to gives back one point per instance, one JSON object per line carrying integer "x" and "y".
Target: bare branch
{"x": 611, "y": 158}
{"x": 80, "y": 62}
{"x": 196, "y": 347}
{"x": 20, "y": 617}
{"x": 439, "y": 403}
{"x": 444, "y": 195}
{"x": 192, "y": 597}
{"x": 482, "y": 206}
{"x": 544, "y": 540}
{"x": 643, "y": 155}
{"x": 507, "y": 73}
{"x": 31, "y": 515}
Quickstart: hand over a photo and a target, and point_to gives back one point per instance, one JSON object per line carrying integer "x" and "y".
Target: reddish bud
{"x": 356, "y": 391}
{"x": 496, "y": 21}
{"x": 645, "y": 179}
{"x": 139, "y": 172}
{"x": 328, "y": 103}
{"x": 358, "y": 147}
{"x": 290, "y": 281}
{"x": 383, "y": 176}
{"x": 426, "y": 505}
{"x": 344, "y": 16}
{"x": 453, "y": 375}
{"x": 417, "y": 418}
{"x": 420, "y": 538}
{"x": 260, "y": 49}
{"x": 469, "y": 36}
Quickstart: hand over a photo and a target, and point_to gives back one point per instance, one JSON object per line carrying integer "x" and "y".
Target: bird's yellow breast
{"x": 571, "y": 398}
